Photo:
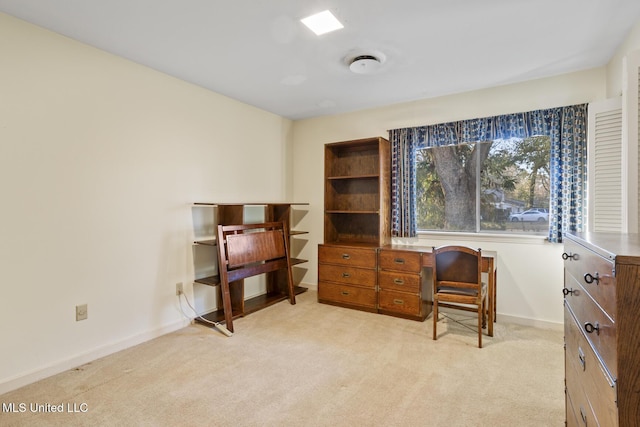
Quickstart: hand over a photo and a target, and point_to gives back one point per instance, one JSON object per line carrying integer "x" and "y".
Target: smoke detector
{"x": 366, "y": 63}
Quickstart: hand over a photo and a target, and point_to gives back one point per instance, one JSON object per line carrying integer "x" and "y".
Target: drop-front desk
{"x": 394, "y": 279}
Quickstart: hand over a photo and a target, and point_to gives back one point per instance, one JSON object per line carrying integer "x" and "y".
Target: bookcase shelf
{"x": 206, "y": 218}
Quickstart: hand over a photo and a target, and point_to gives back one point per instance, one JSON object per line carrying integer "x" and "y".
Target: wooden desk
{"x": 488, "y": 266}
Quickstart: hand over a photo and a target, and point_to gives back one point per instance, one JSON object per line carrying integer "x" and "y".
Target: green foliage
{"x": 515, "y": 170}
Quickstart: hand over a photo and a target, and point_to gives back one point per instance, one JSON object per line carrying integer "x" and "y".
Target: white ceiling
{"x": 258, "y": 52}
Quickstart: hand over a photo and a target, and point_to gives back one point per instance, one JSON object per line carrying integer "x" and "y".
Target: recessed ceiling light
{"x": 322, "y": 22}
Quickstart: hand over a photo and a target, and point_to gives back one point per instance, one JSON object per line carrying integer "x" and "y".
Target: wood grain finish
{"x": 404, "y": 291}
{"x": 347, "y": 255}
{"x": 357, "y": 218}
{"x": 246, "y": 250}
{"x": 347, "y": 276}
{"x": 357, "y": 189}
{"x": 602, "y": 329}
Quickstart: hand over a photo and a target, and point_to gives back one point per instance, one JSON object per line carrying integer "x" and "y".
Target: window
{"x": 499, "y": 186}
{"x": 565, "y": 174}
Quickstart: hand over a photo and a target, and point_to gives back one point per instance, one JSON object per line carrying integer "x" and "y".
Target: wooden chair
{"x": 457, "y": 279}
{"x": 248, "y": 250}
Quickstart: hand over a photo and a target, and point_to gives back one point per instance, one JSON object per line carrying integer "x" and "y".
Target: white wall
{"x": 530, "y": 271}
{"x": 100, "y": 159}
{"x": 614, "y": 67}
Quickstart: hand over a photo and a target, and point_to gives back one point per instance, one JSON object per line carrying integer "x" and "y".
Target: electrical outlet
{"x": 179, "y": 288}
{"x": 81, "y": 312}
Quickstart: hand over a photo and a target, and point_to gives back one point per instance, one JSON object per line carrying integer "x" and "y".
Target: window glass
{"x": 499, "y": 186}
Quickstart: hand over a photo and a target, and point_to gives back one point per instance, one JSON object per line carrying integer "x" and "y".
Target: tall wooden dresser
{"x": 602, "y": 329}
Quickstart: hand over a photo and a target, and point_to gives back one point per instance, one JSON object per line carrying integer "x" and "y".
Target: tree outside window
{"x": 499, "y": 186}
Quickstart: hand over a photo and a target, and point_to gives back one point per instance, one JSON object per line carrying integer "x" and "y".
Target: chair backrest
{"x": 457, "y": 266}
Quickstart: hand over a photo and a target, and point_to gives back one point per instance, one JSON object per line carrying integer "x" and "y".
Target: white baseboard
{"x": 24, "y": 379}
{"x": 524, "y": 321}
{"x": 310, "y": 286}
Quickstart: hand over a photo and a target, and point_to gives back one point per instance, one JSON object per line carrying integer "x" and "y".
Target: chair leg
{"x": 484, "y": 313}
{"x": 480, "y": 320}
{"x": 491, "y": 319}
{"x": 435, "y": 319}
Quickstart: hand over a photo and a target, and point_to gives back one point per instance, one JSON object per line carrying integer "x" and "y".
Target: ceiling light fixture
{"x": 322, "y": 23}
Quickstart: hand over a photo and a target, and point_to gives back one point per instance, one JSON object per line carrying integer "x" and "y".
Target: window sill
{"x": 474, "y": 237}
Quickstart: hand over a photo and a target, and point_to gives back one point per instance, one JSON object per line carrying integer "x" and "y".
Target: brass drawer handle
{"x": 590, "y": 279}
{"x": 399, "y": 260}
{"x": 398, "y": 301}
{"x": 591, "y": 328}
{"x": 345, "y": 293}
{"x": 398, "y": 281}
{"x": 346, "y": 256}
{"x": 566, "y": 256}
{"x": 345, "y": 275}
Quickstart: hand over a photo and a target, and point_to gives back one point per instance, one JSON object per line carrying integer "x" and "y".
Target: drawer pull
{"x": 591, "y": 328}
{"x": 345, "y": 275}
{"x": 399, "y": 260}
{"x": 345, "y": 293}
{"x": 590, "y": 279}
{"x": 582, "y": 359}
{"x": 566, "y": 256}
{"x": 398, "y": 301}
{"x": 398, "y": 281}
{"x": 346, "y": 256}
{"x": 569, "y": 291}
{"x": 583, "y": 415}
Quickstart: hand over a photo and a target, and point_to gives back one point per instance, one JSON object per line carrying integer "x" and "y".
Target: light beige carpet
{"x": 313, "y": 365}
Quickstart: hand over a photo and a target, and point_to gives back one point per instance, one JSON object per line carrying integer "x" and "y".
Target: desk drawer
{"x": 399, "y": 260}
{"x": 347, "y": 275}
{"x": 586, "y": 379}
{"x": 345, "y": 255}
{"x": 400, "y": 302}
{"x": 404, "y": 282}
{"x": 594, "y": 273}
{"x": 344, "y": 294}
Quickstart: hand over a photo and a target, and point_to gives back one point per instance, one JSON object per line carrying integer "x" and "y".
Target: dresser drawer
{"x": 579, "y": 412}
{"x": 400, "y": 260}
{"x": 404, "y": 282}
{"x": 571, "y": 415}
{"x": 586, "y": 377}
{"x": 400, "y": 302}
{"x": 344, "y": 294}
{"x": 594, "y": 273}
{"x": 345, "y": 255}
{"x": 591, "y": 318}
{"x": 348, "y": 275}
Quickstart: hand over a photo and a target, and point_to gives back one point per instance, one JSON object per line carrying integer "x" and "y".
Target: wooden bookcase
{"x": 357, "y": 192}
{"x": 212, "y": 214}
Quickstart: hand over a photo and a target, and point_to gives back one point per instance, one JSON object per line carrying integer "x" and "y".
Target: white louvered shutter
{"x": 604, "y": 153}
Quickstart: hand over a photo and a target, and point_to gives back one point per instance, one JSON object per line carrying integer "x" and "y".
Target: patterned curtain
{"x": 567, "y": 128}
{"x": 403, "y": 180}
